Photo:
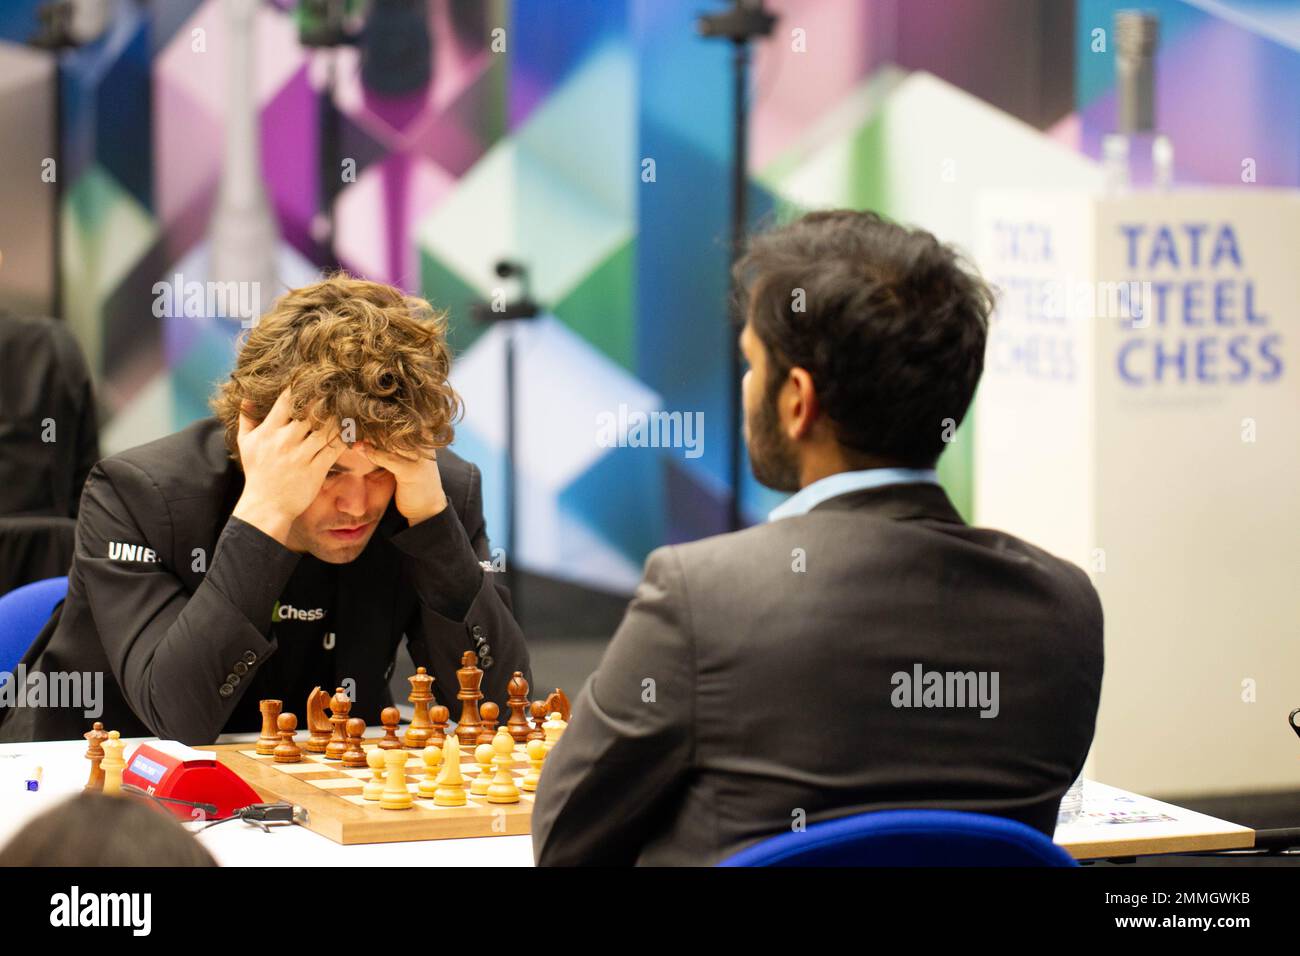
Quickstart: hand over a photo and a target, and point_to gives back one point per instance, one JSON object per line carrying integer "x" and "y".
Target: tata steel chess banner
{"x": 1140, "y": 415}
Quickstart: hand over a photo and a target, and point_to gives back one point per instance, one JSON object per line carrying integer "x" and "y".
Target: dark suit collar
{"x": 902, "y": 502}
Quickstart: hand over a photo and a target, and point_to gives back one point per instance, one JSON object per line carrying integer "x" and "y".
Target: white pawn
{"x": 483, "y": 755}
{"x": 536, "y": 755}
{"x": 432, "y": 763}
{"x": 374, "y": 788}
{"x": 396, "y": 796}
{"x": 503, "y": 789}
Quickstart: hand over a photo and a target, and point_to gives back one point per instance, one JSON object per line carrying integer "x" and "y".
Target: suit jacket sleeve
{"x": 630, "y": 743}
{"x": 87, "y": 452}
{"x": 81, "y": 405}
{"x": 462, "y": 605}
{"x": 171, "y": 651}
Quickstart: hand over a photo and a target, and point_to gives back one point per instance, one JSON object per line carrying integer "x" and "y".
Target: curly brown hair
{"x": 349, "y": 349}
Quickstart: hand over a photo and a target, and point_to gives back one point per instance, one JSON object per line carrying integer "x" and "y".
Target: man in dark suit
{"x": 292, "y": 541}
{"x": 865, "y": 649}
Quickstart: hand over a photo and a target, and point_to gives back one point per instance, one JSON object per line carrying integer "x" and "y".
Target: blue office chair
{"x": 23, "y": 612}
{"x": 908, "y": 838}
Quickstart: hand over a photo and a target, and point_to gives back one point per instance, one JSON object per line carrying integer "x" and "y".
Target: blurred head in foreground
{"x": 92, "y": 829}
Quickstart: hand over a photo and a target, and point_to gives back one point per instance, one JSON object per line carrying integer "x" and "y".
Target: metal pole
{"x": 512, "y": 501}
{"x": 739, "y": 219}
{"x": 746, "y": 20}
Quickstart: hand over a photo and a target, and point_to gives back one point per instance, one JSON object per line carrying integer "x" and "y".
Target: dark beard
{"x": 771, "y": 456}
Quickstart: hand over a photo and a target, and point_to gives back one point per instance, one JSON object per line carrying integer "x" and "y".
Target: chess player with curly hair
{"x": 292, "y": 541}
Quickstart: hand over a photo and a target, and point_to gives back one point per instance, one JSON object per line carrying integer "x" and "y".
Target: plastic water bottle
{"x": 1071, "y": 803}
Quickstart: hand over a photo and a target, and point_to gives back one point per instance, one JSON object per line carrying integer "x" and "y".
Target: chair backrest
{"x": 33, "y": 547}
{"x": 908, "y": 838}
{"x": 23, "y": 612}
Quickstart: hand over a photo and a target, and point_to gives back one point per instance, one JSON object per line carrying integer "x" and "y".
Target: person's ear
{"x": 801, "y": 403}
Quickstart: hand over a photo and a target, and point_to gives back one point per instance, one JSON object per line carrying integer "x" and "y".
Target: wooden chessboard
{"x": 331, "y": 795}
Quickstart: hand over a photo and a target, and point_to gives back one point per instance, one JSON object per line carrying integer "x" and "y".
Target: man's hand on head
{"x": 285, "y": 463}
{"x": 419, "y": 494}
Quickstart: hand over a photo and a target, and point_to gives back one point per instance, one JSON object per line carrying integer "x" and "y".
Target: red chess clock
{"x": 172, "y": 771}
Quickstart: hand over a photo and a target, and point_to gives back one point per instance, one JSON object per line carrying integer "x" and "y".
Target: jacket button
{"x": 232, "y": 680}
{"x": 486, "y": 662}
{"x": 240, "y": 668}
{"x": 485, "y": 650}
{"x": 250, "y": 657}
{"x": 477, "y": 630}
{"x": 226, "y": 690}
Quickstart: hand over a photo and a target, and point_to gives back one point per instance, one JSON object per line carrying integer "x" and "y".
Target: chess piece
{"x": 483, "y": 755}
{"x": 113, "y": 764}
{"x": 270, "y": 739}
{"x": 536, "y": 756}
{"x": 355, "y": 756}
{"x": 451, "y": 784}
{"x": 396, "y": 796}
{"x": 503, "y": 789}
{"x": 318, "y": 725}
{"x": 390, "y": 718}
{"x": 518, "y": 704}
{"x": 286, "y": 751}
{"x": 539, "y": 712}
{"x": 438, "y": 716}
{"x": 340, "y": 707}
{"x": 553, "y": 728}
{"x": 558, "y": 702}
{"x": 374, "y": 788}
{"x": 432, "y": 766}
{"x": 417, "y": 735}
{"x": 488, "y": 728}
{"x": 469, "y": 677}
{"x": 95, "y": 738}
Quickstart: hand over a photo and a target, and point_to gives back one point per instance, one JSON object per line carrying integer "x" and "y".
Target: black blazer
{"x": 48, "y": 436}
{"x": 752, "y": 687}
{"x": 48, "y": 443}
{"x": 168, "y": 627}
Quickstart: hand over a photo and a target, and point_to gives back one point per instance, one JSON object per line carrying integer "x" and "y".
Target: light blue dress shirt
{"x": 841, "y": 483}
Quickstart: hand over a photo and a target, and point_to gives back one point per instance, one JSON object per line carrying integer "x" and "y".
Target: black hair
{"x": 889, "y": 323}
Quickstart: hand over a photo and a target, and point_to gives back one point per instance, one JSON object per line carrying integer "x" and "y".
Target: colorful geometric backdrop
{"x": 538, "y": 153}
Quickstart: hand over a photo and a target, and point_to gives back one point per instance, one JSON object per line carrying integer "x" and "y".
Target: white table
{"x": 1113, "y": 823}
{"x": 64, "y": 771}
{"x": 1117, "y": 823}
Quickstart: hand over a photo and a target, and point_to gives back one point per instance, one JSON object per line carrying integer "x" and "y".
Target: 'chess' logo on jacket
{"x": 287, "y": 612}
